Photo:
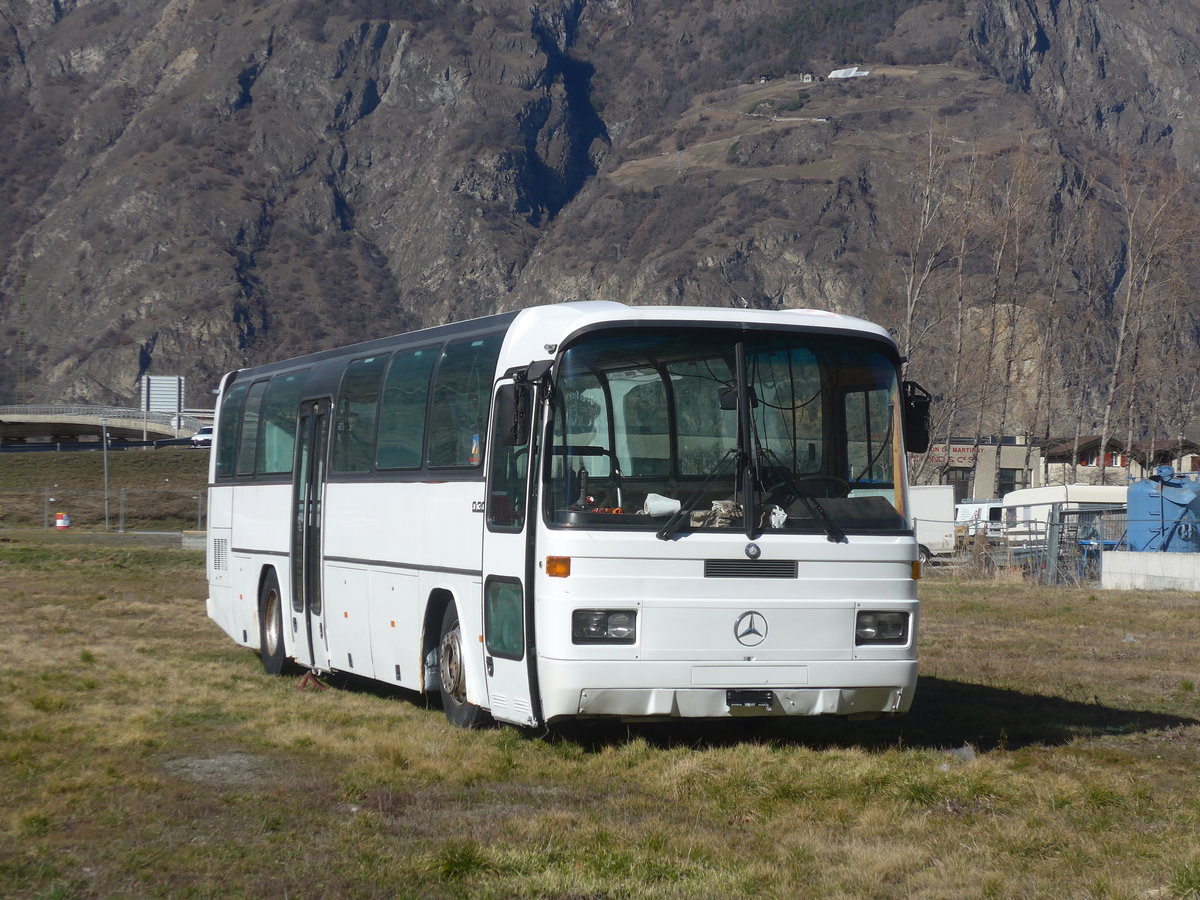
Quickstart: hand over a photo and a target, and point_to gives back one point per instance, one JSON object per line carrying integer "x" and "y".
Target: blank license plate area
{"x": 744, "y": 698}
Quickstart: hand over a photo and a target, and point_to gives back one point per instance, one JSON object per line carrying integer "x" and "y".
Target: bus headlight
{"x": 604, "y": 626}
{"x": 881, "y": 628}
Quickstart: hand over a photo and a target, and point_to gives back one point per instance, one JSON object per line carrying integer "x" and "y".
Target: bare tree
{"x": 934, "y": 232}
{"x": 1019, "y": 209}
{"x": 926, "y": 242}
{"x": 1051, "y": 318}
{"x": 1152, "y": 204}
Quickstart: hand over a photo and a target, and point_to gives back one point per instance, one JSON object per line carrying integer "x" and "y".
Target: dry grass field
{"x": 157, "y": 490}
{"x": 1053, "y": 751}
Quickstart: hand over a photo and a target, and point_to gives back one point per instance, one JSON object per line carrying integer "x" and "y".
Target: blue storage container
{"x": 1164, "y": 513}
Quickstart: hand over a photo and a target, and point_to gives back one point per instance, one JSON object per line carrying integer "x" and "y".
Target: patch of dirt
{"x": 223, "y": 770}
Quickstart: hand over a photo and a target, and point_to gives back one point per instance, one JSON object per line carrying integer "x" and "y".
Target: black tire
{"x": 270, "y": 626}
{"x": 925, "y": 555}
{"x": 452, "y": 678}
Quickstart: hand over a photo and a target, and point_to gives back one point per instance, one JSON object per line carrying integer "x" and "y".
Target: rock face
{"x": 195, "y": 185}
{"x": 1120, "y": 76}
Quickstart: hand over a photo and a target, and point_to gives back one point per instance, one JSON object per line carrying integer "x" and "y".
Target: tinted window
{"x": 357, "y": 405}
{"x": 402, "y": 414}
{"x": 277, "y": 433}
{"x": 461, "y": 398}
{"x": 227, "y": 428}
{"x": 250, "y": 421}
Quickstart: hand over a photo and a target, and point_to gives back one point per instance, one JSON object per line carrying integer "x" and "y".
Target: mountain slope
{"x": 195, "y": 185}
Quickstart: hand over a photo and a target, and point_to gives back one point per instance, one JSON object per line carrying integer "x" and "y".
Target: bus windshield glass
{"x": 685, "y": 430}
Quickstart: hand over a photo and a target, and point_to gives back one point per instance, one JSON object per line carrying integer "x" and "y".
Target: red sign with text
{"x": 959, "y": 456}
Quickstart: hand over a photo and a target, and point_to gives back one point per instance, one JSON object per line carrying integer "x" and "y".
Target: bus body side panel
{"x": 395, "y": 544}
{"x": 222, "y": 606}
{"x": 258, "y": 539}
{"x": 395, "y": 614}
{"x": 687, "y": 653}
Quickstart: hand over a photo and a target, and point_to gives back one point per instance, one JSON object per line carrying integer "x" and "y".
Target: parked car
{"x": 203, "y": 437}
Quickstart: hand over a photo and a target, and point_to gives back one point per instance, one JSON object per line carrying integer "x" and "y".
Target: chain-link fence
{"x": 1048, "y": 544}
{"x": 119, "y": 509}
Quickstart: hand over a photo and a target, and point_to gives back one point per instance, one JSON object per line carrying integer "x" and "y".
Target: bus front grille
{"x": 749, "y": 568}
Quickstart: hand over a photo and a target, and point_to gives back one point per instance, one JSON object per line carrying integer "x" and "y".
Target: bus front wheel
{"x": 270, "y": 626}
{"x": 452, "y": 677}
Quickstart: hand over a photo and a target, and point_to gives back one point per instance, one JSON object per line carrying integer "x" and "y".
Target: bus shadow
{"x": 945, "y": 715}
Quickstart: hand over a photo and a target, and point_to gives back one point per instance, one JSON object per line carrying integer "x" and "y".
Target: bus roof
{"x": 542, "y": 327}
{"x": 592, "y": 312}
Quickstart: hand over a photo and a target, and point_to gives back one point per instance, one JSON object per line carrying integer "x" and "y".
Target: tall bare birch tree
{"x": 1022, "y": 204}
{"x": 1151, "y": 204}
{"x": 926, "y": 244}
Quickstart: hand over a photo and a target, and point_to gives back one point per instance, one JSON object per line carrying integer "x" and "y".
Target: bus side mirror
{"x": 512, "y": 415}
{"x": 916, "y": 417}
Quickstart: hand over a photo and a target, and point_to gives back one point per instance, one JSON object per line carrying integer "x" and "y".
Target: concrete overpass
{"x": 80, "y": 423}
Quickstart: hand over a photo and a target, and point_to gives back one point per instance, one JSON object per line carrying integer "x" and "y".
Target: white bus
{"x": 580, "y": 510}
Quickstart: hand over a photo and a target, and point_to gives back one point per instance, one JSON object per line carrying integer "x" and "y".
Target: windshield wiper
{"x": 833, "y": 533}
{"x": 672, "y": 525}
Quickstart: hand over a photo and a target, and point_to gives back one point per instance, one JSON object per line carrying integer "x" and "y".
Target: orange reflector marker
{"x": 346, "y": 614}
{"x": 558, "y": 566}
{"x": 916, "y": 572}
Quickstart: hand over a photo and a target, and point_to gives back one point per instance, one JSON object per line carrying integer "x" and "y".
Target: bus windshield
{"x": 685, "y": 430}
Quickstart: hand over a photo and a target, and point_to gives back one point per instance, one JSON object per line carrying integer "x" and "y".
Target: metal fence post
{"x": 1052, "y": 539}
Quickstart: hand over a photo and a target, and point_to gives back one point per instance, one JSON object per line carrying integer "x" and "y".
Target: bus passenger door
{"x": 510, "y": 656}
{"x": 308, "y": 494}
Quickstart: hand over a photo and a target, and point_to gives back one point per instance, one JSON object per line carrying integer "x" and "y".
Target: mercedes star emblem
{"x": 750, "y": 629}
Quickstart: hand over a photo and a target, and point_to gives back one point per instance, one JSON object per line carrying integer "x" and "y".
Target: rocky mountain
{"x": 194, "y": 185}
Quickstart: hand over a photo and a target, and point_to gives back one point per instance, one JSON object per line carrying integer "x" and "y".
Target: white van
{"x": 973, "y": 517}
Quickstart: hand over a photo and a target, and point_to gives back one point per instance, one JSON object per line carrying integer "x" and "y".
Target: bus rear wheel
{"x": 270, "y": 627}
{"x": 452, "y": 676}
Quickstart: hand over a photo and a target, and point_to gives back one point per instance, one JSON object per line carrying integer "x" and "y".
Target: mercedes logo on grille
{"x": 750, "y": 629}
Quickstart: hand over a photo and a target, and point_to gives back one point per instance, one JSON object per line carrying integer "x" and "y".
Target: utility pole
{"x": 20, "y": 391}
{"x": 104, "y": 451}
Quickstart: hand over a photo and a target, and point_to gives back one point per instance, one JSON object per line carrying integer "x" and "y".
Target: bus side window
{"x": 462, "y": 394}
{"x": 277, "y": 432}
{"x": 248, "y": 445}
{"x": 227, "y": 428}
{"x": 402, "y": 412}
{"x": 357, "y": 405}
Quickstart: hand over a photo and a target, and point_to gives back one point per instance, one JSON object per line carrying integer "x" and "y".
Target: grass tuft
{"x": 1186, "y": 881}
{"x": 459, "y": 861}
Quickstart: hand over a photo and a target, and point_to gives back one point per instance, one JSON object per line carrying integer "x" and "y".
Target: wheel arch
{"x": 431, "y": 632}
{"x": 267, "y": 571}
